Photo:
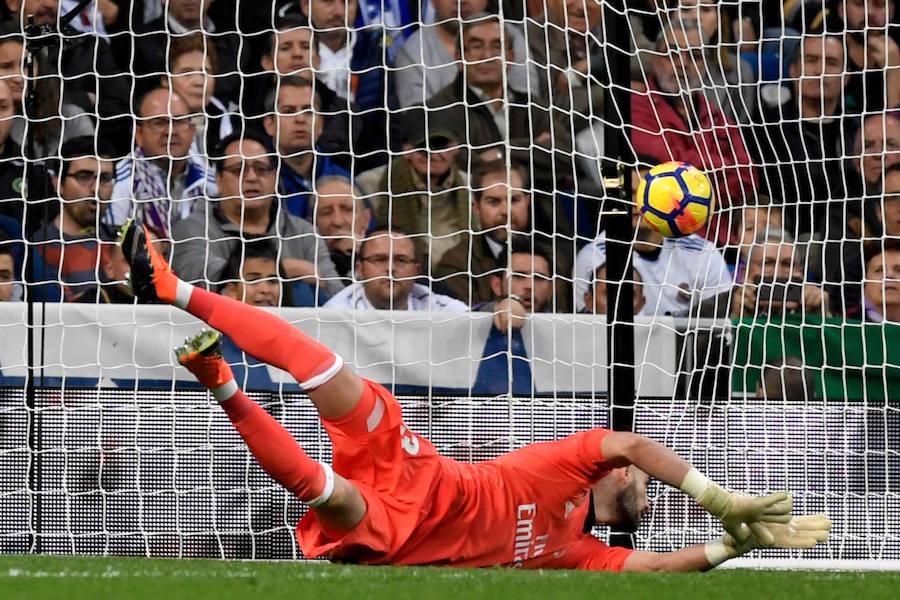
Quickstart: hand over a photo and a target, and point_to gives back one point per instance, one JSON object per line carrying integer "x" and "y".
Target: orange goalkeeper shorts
{"x": 394, "y": 469}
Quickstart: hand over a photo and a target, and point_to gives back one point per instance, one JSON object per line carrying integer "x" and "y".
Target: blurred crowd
{"x": 445, "y": 155}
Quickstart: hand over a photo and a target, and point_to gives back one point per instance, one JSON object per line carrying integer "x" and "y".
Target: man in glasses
{"x": 68, "y": 251}
{"x": 386, "y": 270}
{"x": 162, "y": 181}
{"x": 422, "y": 191}
{"x": 248, "y": 208}
{"x": 481, "y": 100}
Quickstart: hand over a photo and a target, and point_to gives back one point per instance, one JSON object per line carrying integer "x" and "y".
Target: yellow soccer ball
{"x": 675, "y": 199}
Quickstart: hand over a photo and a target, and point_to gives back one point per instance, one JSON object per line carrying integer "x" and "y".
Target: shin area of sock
{"x": 275, "y": 449}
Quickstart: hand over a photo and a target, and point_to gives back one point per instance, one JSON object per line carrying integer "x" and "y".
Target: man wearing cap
{"x": 422, "y": 192}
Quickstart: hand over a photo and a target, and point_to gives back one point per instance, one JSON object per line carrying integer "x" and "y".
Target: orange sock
{"x": 267, "y": 337}
{"x": 276, "y": 450}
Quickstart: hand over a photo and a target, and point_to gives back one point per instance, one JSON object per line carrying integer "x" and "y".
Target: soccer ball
{"x": 675, "y": 199}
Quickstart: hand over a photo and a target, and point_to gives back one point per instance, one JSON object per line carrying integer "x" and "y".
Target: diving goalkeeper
{"x": 389, "y": 498}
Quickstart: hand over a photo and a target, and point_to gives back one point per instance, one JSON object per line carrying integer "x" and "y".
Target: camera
{"x": 778, "y": 291}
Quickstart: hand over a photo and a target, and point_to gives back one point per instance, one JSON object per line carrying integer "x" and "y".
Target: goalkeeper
{"x": 389, "y": 498}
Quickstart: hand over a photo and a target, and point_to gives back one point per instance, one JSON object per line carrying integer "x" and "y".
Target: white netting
{"x": 765, "y": 347}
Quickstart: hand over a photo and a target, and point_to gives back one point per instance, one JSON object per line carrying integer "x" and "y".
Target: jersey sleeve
{"x": 586, "y": 262}
{"x": 590, "y": 554}
{"x": 713, "y": 278}
{"x": 575, "y": 459}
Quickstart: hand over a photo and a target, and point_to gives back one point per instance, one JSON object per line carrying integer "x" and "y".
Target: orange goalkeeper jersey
{"x": 524, "y": 509}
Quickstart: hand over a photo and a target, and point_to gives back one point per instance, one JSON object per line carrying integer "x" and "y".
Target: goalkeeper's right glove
{"x": 737, "y": 510}
{"x": 800, "y": 533}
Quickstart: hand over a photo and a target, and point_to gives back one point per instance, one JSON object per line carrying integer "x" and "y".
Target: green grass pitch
{"x": 94, "y": 578}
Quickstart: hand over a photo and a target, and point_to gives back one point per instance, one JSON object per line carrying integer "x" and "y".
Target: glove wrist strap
{"x": 695, "y": 483}
{"x": 718, "y": 551}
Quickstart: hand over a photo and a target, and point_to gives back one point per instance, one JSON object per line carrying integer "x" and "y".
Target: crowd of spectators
{"x": 431, "y": 155}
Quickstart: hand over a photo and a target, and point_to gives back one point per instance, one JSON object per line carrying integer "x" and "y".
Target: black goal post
{"x": 616, "y": 220}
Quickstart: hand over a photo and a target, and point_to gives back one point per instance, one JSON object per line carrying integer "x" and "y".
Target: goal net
{"x": 425, "y": 187}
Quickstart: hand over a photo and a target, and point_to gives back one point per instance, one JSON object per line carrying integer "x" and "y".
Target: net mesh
{"x": 442, "y": 161}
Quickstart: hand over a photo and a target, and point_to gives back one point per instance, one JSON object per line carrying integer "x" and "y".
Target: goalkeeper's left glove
{"x": 802, "y": 532}
{"x": 740, "y": 515}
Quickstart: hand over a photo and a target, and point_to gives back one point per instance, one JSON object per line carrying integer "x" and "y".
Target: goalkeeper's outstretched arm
{"x": 692, "y": 558}
{"x": 800, "y": 533}
{"x": 740, "y": 515}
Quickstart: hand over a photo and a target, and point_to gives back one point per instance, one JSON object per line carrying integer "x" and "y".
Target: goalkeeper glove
{"x": 800, "y": 533}
{"x": 737, "y": 510}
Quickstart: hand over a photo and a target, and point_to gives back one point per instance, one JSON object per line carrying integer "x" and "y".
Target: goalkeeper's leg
{"x": 333, "y": 388}
{"x": 337, "y": 502}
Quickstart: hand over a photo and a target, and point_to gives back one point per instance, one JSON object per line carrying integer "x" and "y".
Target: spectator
{"x": 522, "y": 283}
{"x": 251, "y": 274}
{"x": 294, "y": 123}
{"x": 345, "y": 49}
{"x": 786, "y": 379}
{"x": 876, "y": 146}
{"x": 886, "y": 222}
{"x": 565, "y": 43}
{"x": 181, "y": 18}
{"x": 802, "y": 141}
{"x": 427, "y": 61}
{"x": 114, "y": 285}
{"x": 423, "y": 191}
{"x": 595, "y": 300}
{"x": 248, "y": 207}
{"x": 888, "y": 210}
{"x": 292, "y": 51}
{"x": 9, "y": 288}
{"x": 193, "y": 64}
{"x": 844, "y": 264}
{"x": 502, "y": 206}
{"x": 67, "y": 250}
{"x": 728, "y": 81}
{"x": 873, "y": 57}
{"x": 754, "y": 219}
{"x": 163, "y": 180}
{"x": 85, "y": 71}
{"x": 882, "y": 286}
{"x": 491, "y": 113}
{"x": 386, "y": 267}
{"x": 680, "y": 276}
{"x": 342, "y": 218}
{"x": 12, "y": 165}
{"x": 48, "y": 127}
{"x": 395, "y": 19}
{"x": 673, "y": 116}
{"x": 11, "y": 49}
{"x": 352, "y": 54}
{"x": 94, "y": 18}
{"x": 776, "y": 282}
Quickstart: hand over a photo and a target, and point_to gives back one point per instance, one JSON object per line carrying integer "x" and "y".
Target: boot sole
{"x": 207, "y": 342}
